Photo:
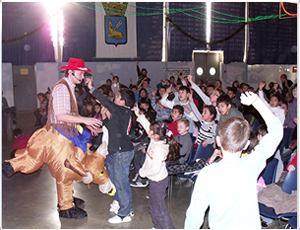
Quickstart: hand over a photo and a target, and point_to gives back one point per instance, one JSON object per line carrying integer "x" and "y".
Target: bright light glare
{"x": 199, "y": 71}
{"x": 57, "y": 26}
{"x": 53, "y": 7}
{"x": 212, "y": 71}
{"x": 208, "y": 21}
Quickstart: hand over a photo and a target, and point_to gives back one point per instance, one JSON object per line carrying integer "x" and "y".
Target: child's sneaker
{"x": 114, "y": 206}
{"x": 117, "y": 219}
{"x": 139, "y": 184}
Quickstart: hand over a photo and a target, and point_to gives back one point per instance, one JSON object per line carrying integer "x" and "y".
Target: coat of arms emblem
{"x": 115, "y": 23}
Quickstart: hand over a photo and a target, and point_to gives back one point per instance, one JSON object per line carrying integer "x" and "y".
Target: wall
{"x": 47, "y": 74}
{"x": 7, "y": 83}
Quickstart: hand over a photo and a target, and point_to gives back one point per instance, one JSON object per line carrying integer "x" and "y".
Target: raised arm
{"x": 165, "y": 102}
{"x": 112, "y": 107}
{"x": 268, "y": 145}
{"x": 195, "y": 87}
{"x": 142, "y": 119}
{"x": 250, "y": 98}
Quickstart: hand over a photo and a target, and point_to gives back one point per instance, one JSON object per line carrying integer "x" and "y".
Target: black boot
{"x": 73, "y": 213}
{"x": 7, "y": 169}
{"x": 77, "y": 202}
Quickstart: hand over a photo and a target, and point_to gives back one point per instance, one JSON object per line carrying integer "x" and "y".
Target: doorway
{"x": 24, "y": 83}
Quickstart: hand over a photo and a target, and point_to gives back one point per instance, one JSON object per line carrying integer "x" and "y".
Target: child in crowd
{"x": 208, "y": 100}
{"x": 115, "y": 87}
{"x": 108, "y": 84}
{"x": 41, "y": 112}
{"x": 89, "y": 109}
{"x": 162, "y": 113}
{"x": 162, "y": 147}
{"x": 260, "y": 133}
{"x": 234, "y": 101}
{"x": 20, "y": 142}
{"x": 134, "y": 90}
{"x": 144, "y": 104}
{"x": 273, "y": 104}
{"x": 97, "y": 140}
{"x": 177, "y": 113}
{"x": 234, "y": 206}
{"x": 225, "y": 110}
{"x": 206, "y": 133}
{"x": 184, "y": 140}
{"x": 120, "y": 149}
{"x": 284, "y": 106}
{"x": 143, "y": 94}
{"x": 190, "y": 110}
{"x": 289, "y": 124}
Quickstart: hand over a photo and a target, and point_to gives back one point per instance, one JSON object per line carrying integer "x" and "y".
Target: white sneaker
{"x": 114, "y": 206}
{"x": 117, "y": 220}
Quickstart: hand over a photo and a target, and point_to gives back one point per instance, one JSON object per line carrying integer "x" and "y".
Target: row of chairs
{"x": 289, "y": 184}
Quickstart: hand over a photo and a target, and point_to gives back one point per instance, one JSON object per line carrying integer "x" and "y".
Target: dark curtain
{"x": 272, "y": 41}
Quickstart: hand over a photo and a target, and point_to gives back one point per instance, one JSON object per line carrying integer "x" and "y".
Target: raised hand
{"x": 248, "y": 98}
{"x": 136, "y": 110}
{"x": 190, "y": 78}
{"x": 169, "y": 90}
{"x": 262, "y": 84}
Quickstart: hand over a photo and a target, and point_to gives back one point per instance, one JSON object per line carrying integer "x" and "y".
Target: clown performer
{"x": 64, "y": 145}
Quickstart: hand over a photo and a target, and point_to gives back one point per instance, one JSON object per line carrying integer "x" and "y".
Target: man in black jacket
{"x": 120, "y": 150}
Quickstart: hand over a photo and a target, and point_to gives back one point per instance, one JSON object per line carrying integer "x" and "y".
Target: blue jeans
{"x": 203, "y": 152}
{"x": 118, "y": 167}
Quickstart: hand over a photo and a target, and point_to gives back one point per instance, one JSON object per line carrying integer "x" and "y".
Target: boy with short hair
{"x": 232, "y": 197}
{"x": 226, "y": 110}
{"x": 184, "y": 139}
{"x": 177, "y": 113}
{"x": 120, "y": 149}
{"x": 231, "y": 92}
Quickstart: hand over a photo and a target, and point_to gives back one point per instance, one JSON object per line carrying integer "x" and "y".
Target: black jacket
{"x": 118, "y": 125}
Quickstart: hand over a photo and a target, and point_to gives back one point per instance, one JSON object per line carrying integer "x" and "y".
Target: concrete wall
{"x": 47, "y": 74}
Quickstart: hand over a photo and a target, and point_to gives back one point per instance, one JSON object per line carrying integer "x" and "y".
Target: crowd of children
{"x": 194, "y": 114}
{"x": 181, "y": 122}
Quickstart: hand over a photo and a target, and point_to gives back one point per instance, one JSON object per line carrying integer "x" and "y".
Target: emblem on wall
{"x": 115, "y": 23}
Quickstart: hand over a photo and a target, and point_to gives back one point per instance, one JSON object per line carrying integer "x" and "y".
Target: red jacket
{"x": 21, "y": 141}
{"x": 294, "y": 161}
{"x": 173, "y": 127}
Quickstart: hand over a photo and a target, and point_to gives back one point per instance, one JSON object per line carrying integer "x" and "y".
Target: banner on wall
{"x": 115, "y": 30}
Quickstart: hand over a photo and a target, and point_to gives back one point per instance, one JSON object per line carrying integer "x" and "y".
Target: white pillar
{"x": 164, "y": 57}
{"x": 247, "y": 41}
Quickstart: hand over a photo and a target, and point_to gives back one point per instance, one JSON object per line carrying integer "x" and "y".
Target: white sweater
{"x": 154, "y": 167}
{"x": 278, "y": 111}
